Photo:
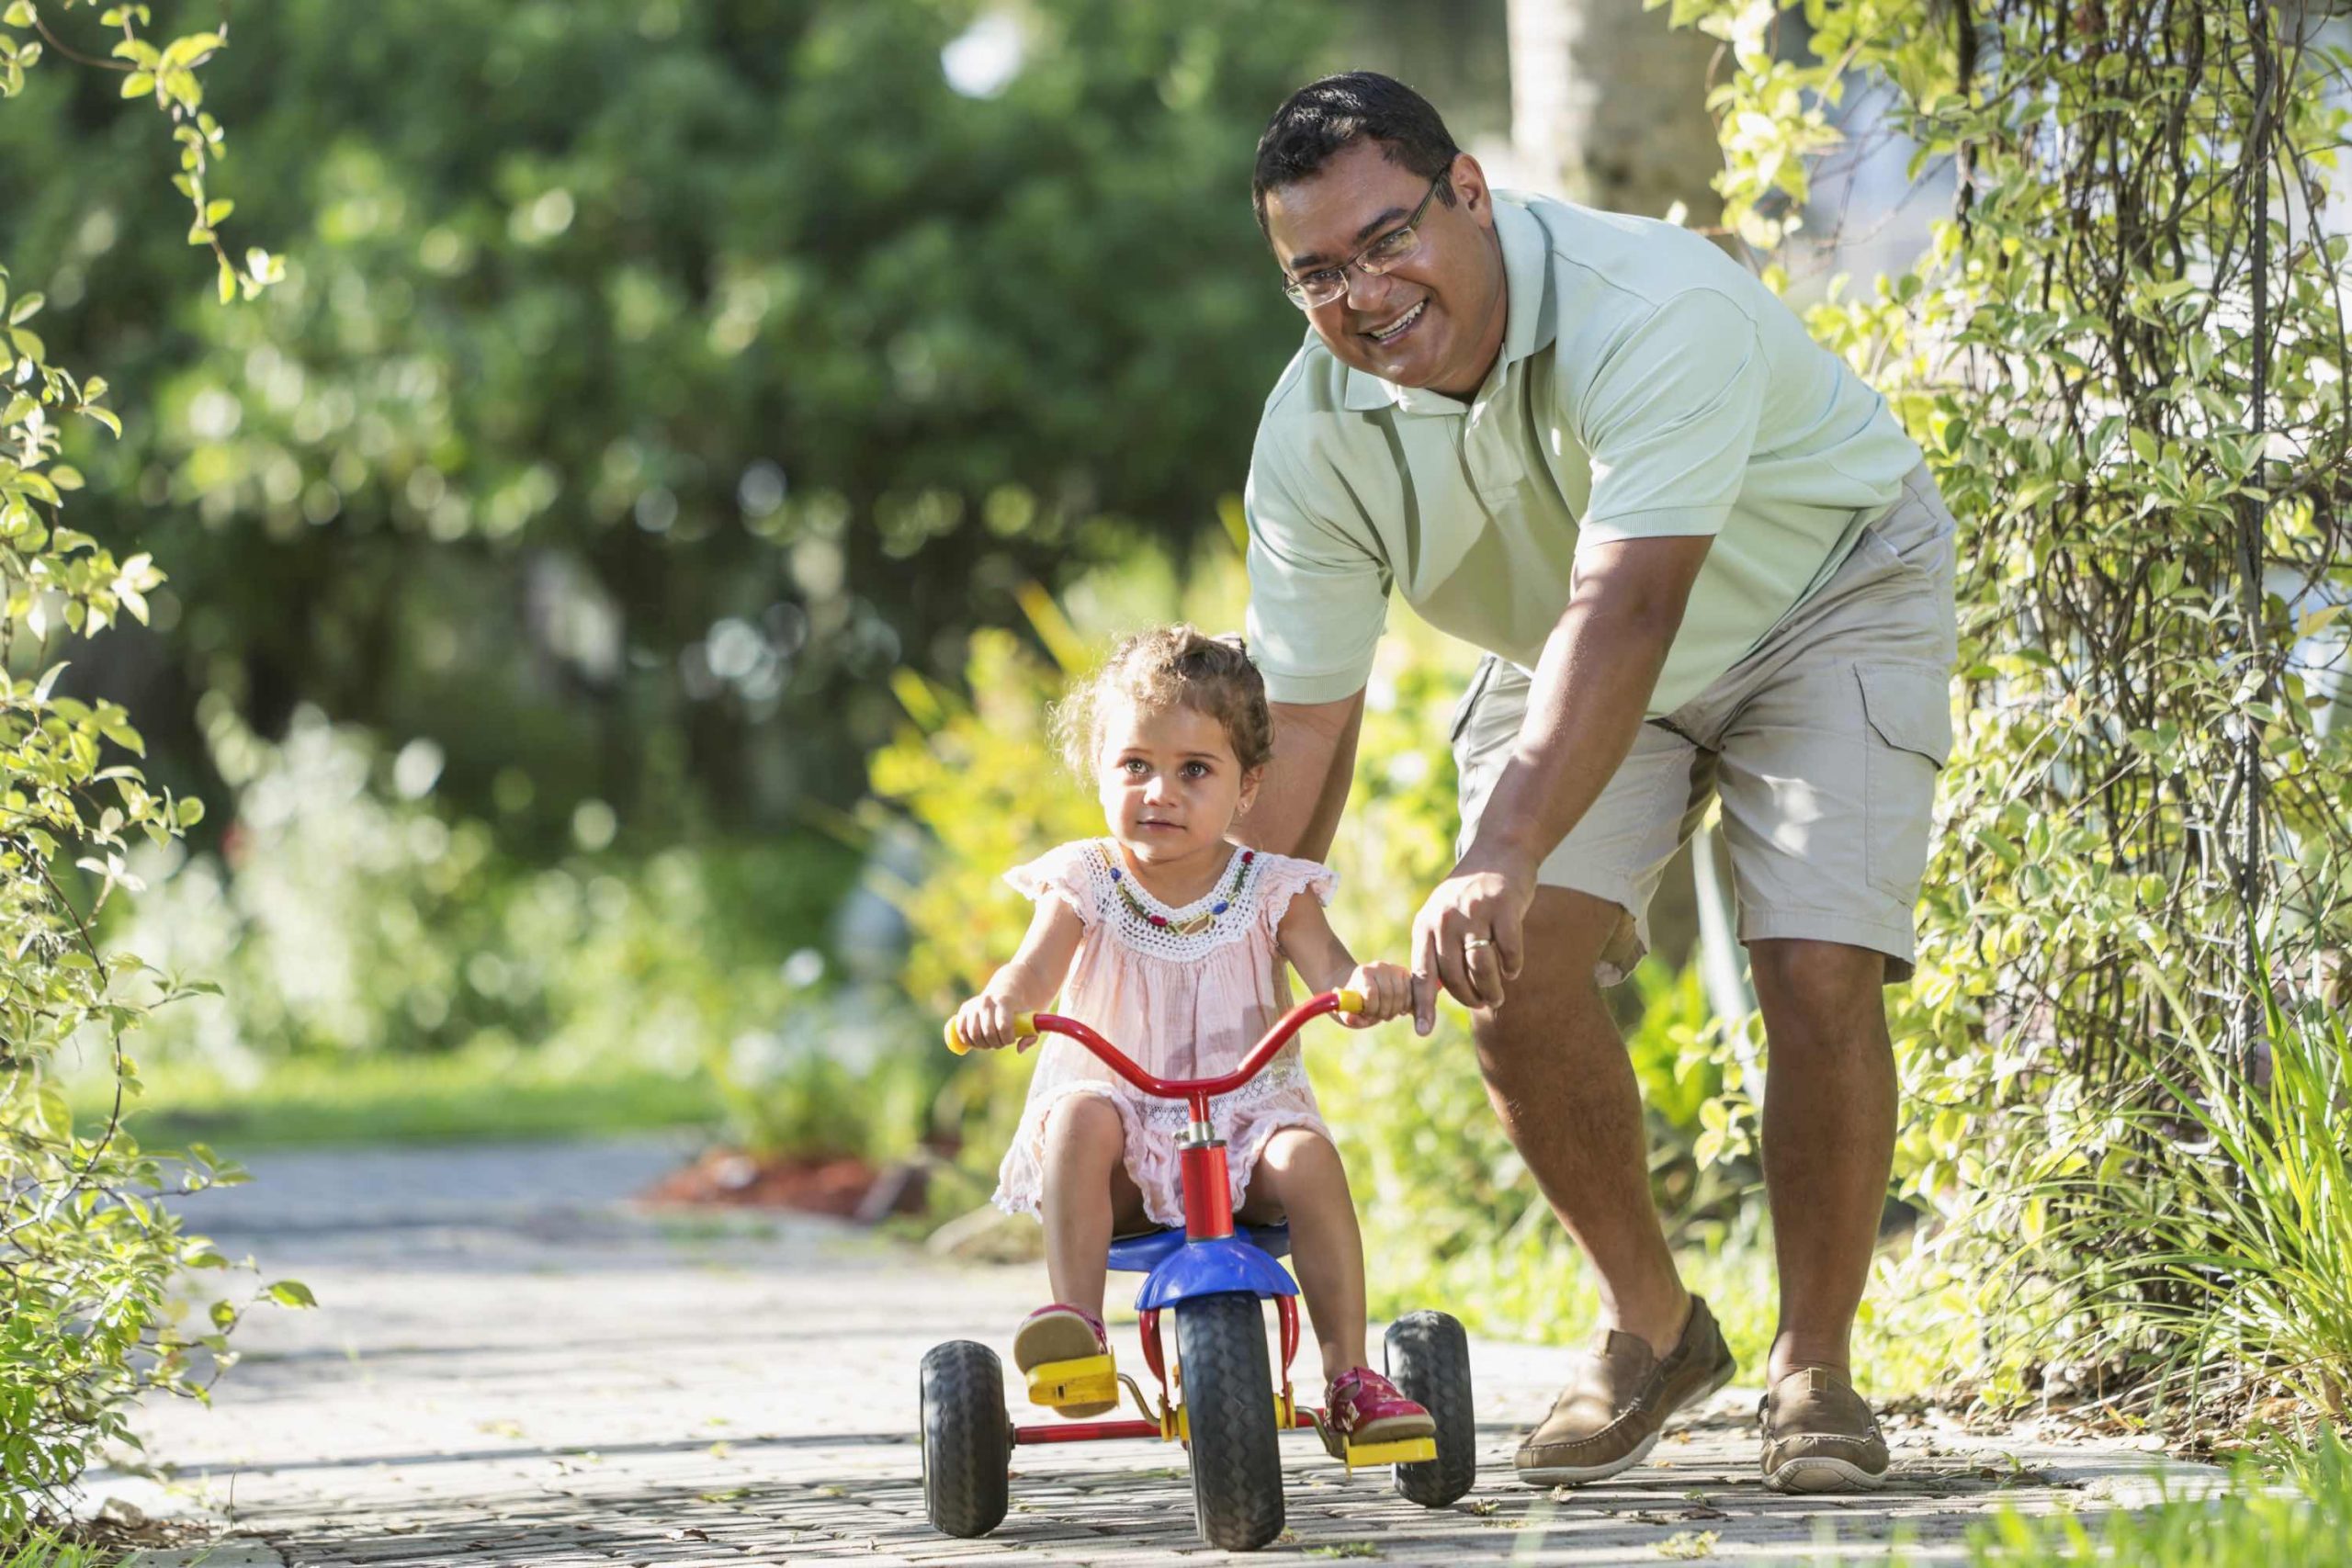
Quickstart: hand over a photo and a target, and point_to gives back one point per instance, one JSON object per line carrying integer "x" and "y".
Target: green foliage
{"x": 89, "y": 1322}
{"x": 2252, "y": 1236}
{"x": 47, "y": 1549}
{"x": 352, "y": 919}
{"x": 629, "y": 350}
{"x": 2254, "y": 1523}
{"x": 2123, "y": 354}
{"x": 489, "y": 1091}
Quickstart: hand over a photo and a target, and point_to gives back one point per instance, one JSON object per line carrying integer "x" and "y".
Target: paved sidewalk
{"x": 509, "y": 1366}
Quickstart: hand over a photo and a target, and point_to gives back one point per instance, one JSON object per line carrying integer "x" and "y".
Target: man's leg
{"x": 1560, "y": 1081}
{"x": 1828, "y": 1137}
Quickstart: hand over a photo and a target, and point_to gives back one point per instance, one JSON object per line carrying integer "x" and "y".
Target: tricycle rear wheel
{"x": 967, "y": 1438}
{"x": 1428, "y": 1360}
{"x": 1229, "y": 1416}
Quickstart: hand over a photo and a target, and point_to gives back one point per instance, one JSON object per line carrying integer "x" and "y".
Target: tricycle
{"x": 1218, "y": 1397}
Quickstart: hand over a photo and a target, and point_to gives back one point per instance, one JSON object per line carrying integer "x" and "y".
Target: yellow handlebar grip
{"x": 1352, "y": 1001}
{"x": 1024, "y": 1024}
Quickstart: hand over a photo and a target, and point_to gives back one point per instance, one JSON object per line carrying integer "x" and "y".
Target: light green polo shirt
{"x": 1648, "y": 385}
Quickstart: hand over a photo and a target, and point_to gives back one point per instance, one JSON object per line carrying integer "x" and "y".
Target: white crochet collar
{"x": 1107, "y": 873}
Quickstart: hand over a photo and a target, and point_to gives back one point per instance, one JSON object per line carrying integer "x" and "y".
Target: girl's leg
{"x": 1087, "y": 1191}
{"x": 1299, "y": 1174}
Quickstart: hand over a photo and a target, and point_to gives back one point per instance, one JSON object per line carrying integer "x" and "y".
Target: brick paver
{"x": 509, "y": 1366}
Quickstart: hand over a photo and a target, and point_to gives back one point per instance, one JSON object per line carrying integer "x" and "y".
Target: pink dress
{"x": 1182, "y": 1007}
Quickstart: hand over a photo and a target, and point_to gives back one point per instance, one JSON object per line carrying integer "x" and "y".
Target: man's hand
{"x": 1387, "y": 993}
{"x": 1467, "y": 937}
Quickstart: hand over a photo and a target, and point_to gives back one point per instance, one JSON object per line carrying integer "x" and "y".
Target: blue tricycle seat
{"x": 1142, "y": 1254}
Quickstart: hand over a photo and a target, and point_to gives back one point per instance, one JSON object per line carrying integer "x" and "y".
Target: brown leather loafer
{"x": 1819, "y": 1435}
{"x": 1608, "y": 1416}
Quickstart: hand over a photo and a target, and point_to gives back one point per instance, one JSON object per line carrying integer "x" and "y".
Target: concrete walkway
{"x": 511, "y": 1366}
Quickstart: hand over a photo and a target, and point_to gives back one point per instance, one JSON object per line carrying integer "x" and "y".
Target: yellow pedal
{"x": 1090, "y": 1380}
{"x": 1408, "y": 1450}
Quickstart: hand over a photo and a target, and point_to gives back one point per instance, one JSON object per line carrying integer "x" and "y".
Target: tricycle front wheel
{"x": 1229, "y": 1417}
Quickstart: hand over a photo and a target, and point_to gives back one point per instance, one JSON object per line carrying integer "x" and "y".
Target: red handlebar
{"x": 1198, "y": 1090}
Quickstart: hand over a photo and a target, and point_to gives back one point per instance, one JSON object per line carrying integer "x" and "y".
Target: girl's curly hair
{"x": 1175, "y": 666}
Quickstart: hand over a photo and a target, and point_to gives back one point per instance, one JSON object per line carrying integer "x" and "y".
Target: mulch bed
{"x": 842, "y": 1186}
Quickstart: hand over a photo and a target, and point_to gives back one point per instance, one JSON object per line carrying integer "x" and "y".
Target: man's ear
{"x": 1250, "y": 782}
{"x": 1471, "y": 192}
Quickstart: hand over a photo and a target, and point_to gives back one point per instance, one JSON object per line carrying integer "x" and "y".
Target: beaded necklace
{"x": 1191, "y": 925}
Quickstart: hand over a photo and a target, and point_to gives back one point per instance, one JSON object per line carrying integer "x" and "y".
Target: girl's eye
{"x": 1134, "y": 766}
{"x": 1196, "y": 770}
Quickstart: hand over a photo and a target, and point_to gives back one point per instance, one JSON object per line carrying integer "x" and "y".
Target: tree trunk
{"x": 1608, "y": 106}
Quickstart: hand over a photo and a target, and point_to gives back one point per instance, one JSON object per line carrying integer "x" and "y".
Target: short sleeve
{"x": 1058, "y": 873}
{"x": 1670, "y": 420}
{"x": 1317, "y": 600}
{"x": 1286, "y": 877}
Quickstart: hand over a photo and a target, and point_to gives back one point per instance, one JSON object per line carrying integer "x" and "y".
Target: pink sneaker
{"x": 1361, "y": 1406}
{"x": 1071, "y": 1342}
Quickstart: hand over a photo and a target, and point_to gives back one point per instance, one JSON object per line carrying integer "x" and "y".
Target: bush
{"x": 349, "y": 917}
{"x": 88, "y": 1322}
{"x": 2123, "y": 357}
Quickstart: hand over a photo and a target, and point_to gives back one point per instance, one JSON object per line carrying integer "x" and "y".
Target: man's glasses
{"x": 1321, "y": 287}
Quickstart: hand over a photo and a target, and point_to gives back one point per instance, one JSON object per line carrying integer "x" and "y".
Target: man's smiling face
{"x": 1434, "y": 319}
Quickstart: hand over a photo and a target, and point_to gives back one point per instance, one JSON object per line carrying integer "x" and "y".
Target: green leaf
{"x": 26, "y": 309}
{"x": 293, "y": 1293}
{"x": 138, "y": 83}
{"x": 19, "y": 14}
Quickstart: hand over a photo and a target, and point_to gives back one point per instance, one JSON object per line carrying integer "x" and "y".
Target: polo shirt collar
{"x": 1530, "y": 322}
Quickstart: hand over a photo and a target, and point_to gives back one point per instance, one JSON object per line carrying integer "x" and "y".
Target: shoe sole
{"x": 1062, "y": 1338}
{"x": 1823, "y": 1475}
{"x": 1578, "y": 1475}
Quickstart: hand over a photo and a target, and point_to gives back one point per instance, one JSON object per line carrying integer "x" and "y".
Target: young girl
{"x": 1169, "y": 940}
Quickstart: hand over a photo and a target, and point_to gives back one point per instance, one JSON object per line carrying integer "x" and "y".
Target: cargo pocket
{"x": 1907, "y": 710}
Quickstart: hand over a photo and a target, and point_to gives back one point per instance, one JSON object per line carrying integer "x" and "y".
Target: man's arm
{"x": 1590, "y": 693}
{"x": 1305, "y": 786}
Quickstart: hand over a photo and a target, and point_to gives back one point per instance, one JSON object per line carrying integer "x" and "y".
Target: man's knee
{"x": 1819, "y": 995}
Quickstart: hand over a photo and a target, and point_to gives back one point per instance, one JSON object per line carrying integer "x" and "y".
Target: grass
{"x": 47, "y": 1549}
{"x": 468, "y": 1096}
{"x": 2298, "y": 1517}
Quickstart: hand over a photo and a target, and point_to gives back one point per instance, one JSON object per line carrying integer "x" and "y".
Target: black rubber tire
{"x": 967, "y": 1438}
{"x": 1428, "y": 1360}
{"x": 1229, "y": 1411}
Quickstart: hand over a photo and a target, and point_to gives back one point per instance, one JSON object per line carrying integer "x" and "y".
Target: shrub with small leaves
{"x": 90, "y": 1317}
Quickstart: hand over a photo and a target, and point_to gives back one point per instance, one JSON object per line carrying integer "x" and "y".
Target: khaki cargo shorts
{"x": 1822, "y": 744}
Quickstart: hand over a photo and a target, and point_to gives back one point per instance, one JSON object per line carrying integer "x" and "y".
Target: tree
{"x": 629, "y": 351}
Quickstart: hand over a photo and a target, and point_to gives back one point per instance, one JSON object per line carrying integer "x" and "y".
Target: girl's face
{"x": 1170, "y": 786}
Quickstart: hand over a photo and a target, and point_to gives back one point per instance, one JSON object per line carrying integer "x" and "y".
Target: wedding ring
{"x": 1470, "y": 941}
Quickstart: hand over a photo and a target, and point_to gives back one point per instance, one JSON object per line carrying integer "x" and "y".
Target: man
{"x": 1704, "y": 559}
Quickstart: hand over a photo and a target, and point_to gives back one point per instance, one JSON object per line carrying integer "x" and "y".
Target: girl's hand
{"x": 1387, "y": 991}
{"x": 985, "y": 1024}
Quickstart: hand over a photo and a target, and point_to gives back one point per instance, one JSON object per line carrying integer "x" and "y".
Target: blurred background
{"x": 616, "y": 578}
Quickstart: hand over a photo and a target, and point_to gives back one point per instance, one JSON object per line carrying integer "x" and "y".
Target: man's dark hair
{"x": 1321, "y": 117}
